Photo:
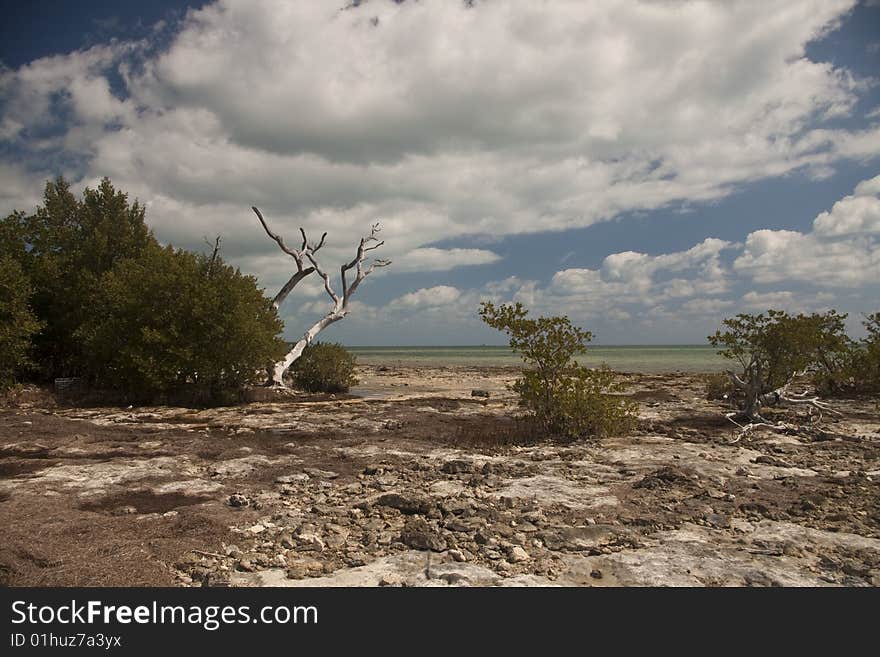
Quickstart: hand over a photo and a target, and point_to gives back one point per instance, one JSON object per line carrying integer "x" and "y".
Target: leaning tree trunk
{"x": 284, "y": 364}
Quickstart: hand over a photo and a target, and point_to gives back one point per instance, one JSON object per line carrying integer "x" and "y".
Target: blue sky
{"x": 645, "y": 168}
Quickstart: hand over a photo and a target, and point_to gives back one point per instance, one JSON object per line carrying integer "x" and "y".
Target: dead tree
{"x": 341, "y": 302}
{"x": 754, "y": 398}
{"x": 298, "y": 257}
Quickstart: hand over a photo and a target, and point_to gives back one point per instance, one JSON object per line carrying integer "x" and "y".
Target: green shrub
{"x": 869, "y": 370}
{"x": 775, "y": 347}
{"x": 17, "y": 323}
{"x": 136, "y": 320}
{"x": 324, "y": 367}
{"x": 179, "y": 326}
{"x": 858, "y": 370}
{"x": 65, "y": 247}
{"x": 565, "y": 399}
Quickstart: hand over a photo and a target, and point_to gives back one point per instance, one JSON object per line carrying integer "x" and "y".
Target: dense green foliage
{"x": 869, "y": 368}
{"x": 858, "y": 371}
{"x": 169, "y": 319}
{"x": 124, "y": 313}
{"x": 17, "y": 322}
{"x": 324, "y": 367}
{"x": 566, "y": 399}
{"x": 772, "y": 347}
{"x": 70, "y": 243}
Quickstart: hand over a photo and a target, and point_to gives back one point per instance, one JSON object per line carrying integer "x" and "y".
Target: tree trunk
{"x": 340, "y": 303}
{"x": 284, "y": 364}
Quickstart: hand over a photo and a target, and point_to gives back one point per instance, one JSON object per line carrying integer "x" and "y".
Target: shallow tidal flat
{"x": 413, "y": 481}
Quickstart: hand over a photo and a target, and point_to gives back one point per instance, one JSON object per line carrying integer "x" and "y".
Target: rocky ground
{"x": 419, "y": 483}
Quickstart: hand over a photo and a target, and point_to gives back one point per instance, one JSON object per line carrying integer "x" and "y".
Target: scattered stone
{"x": 238, "y": 500}
{"x": 596, "y": 573}
{"x": 457, "y": 555}
{"x": 124, "y": 511}
{"x": 457, "y": 466}
{"x": 251, "y": 562}
{"x": 578, "y": 538}
{"x": 405, "y": 503}
{"x": 480, "y": 393}
{"x": 306, "y": 541}
{"x": 419, "y": 535}
{"x": 320, "y": 474}
{"x": 516, "y": 554}
{"x": 292, "y": 478}
{"x": 665, "y": 477}
{"x": 485, "y": 537}
{"x": 770, "y": 460}
{"x": 717, "y": 520}
{"x": 391, "y": 579}
{"x": 300, "y": 568}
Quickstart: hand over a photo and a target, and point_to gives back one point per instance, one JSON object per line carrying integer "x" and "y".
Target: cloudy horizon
{"x": 647, "y": 168}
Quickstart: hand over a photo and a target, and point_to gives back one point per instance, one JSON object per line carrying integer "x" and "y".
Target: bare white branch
{"x": 341, "y": 304}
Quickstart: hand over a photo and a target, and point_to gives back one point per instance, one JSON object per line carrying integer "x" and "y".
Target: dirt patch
{"x": 491, "y": 431}
{"x": 142, "y": 501}
{"x": 653, "y": 395}
{"x": 48, "y": 541}
{"x": 18, "y": 467}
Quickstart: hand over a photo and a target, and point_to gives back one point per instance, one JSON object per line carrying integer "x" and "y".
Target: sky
{"x": 646, "y": 168}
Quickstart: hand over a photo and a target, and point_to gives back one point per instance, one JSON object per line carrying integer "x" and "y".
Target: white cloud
{"x": 764, "y": 300}
{"x": 706, "y": 307}
{"x": 431, "y": 259}
{"x": 789, "y": 301}
{"x": 444, "y": 121}
{"x": 855, "y": 214}
{"x": 439, "y": 295}
{"x": 631, "y": 277}
{"x": 842, "y": 250}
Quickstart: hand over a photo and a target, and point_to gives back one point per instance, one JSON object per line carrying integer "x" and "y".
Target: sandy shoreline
{"x": 359, "y": 491}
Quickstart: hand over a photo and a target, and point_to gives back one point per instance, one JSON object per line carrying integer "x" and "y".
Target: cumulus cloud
{"x": 842, "y": 250}
{"x": 788, "y": 300}
{"x": 443, "y": 120}
{"x": 432, "y": 259}
{"x": 632, "y": 277}
{"x": 853, "y": 215}
{"x": 439, "y": 295}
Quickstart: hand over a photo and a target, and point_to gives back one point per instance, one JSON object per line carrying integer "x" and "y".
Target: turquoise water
{"x": 630, "y": 358}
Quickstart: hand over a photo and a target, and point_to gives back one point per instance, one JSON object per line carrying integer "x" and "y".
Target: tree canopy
{"x": 117, "y": 308}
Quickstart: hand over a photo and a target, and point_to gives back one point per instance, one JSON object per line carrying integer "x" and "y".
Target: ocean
{"x": 630, "y": 358}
